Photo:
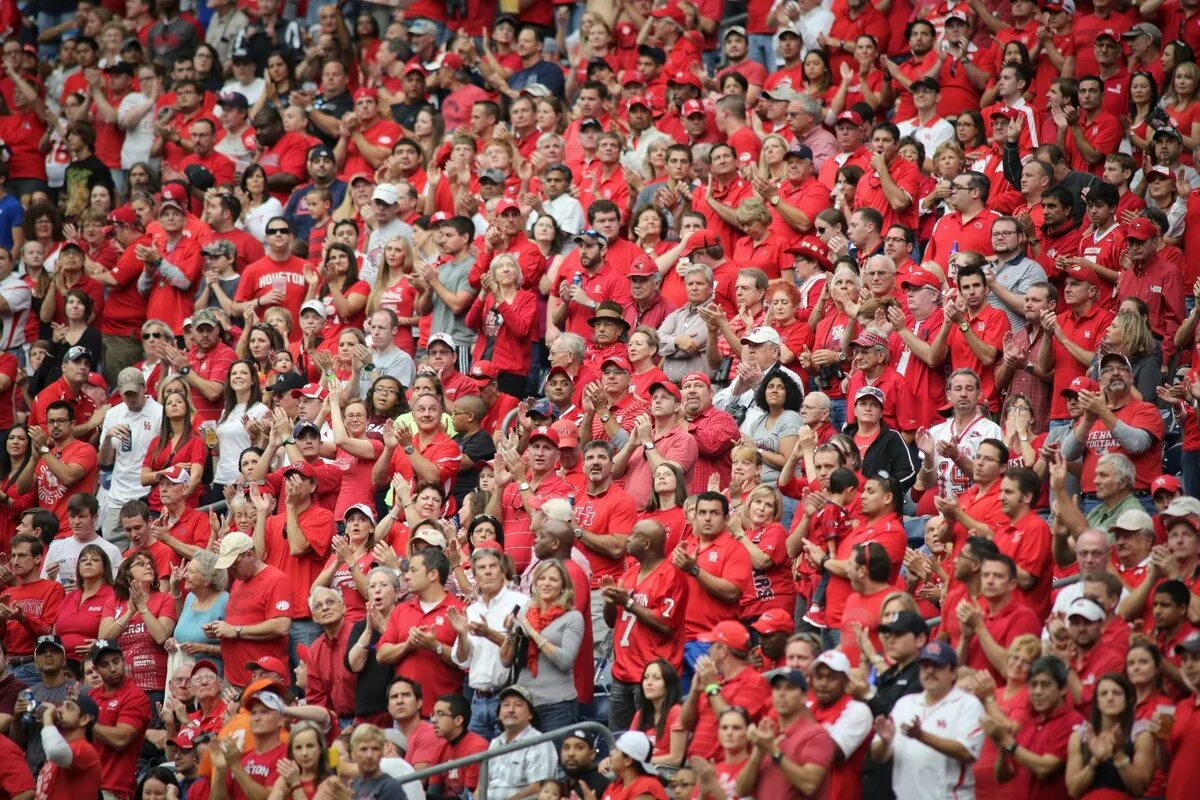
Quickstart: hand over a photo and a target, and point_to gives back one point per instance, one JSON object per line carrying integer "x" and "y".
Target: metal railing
{"x": 505, "y": 749}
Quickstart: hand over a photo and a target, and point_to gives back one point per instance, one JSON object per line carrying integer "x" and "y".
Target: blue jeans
{"x": 790, "y": 504}
{"x": 831, "y": 638}
{"x": 1055, "y": 424}
{"x": 485, "y": 713}
{"x": 553, "y": 716}
{"x": 691, "y": 652}
{"x": 1191, "y": 472}
{"x": 49, "y": 50}
{"x": 27, "y": 674}
{"x": 302, "y": 631}
{"x": 837, "y": 413}
{"x": 762, "y": 50}
{"x": 623, "y": 702}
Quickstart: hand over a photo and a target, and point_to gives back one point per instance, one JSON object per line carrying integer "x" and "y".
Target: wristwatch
{"x": 693, "y": 570}
{"x": 441, "y": 649}
{"x": 290, "y": 440}
{"x": 523, "y": 486}
{"x": 184, "y": 370}
{"x": 237, "y": 632}
{"x": 43, "y": 449}
{"x": 964, "y": 326}
{"x": 1010, "y": 748}
{"x": 775, "y": 200}
{"x": 409, "y": 449}
{"x": 579, "y": 533}
{"x": 648, "y": 446}
{"x": 605, "y": 418}
{"x": 777, "y": 756}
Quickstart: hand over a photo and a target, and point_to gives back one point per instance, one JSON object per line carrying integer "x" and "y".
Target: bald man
{"x": 647, "y": 600}
{"x": 476, "y": 444}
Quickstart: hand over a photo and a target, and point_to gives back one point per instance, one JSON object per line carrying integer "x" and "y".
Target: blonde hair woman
{"x": 1129, "y": 334}
{"x": 771, "y": 159}
{"x": 553, "y": 631}
{"x": 394, "y": 289}
{"x": 757, "y": 528}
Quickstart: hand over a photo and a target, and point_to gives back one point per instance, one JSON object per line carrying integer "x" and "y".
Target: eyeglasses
{"x": 895, "y": 239}
{"x": 278, "y": 231}
{"x": 958, "y": 187}
{"x": 996, "y": 233}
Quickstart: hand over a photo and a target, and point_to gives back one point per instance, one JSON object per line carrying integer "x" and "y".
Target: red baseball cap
{"x": 484, "y": 372}
{"x": 303, "y": 468}
{"x": 686, "y": 78}
{"x": 568, "y": 434}
{"x": 362, "y": 176}
{"x": 97, "y": 379}
{"x": 451, "y": 61}
{"x": 365, "y": 91}
{"x": 642, "y": 267}
{"x": 704, "y": 237}
{"x": 1165, "y": 483}
{"x": 696, "y": 376}
{"x": 775, "y": 620}
{"x": 729, "y": 633}
{"x": 671, "y": 12}
{"x": 631, "y": 76}
{"x": 186, "y": 738}
{"x": 919, "y": 278}
{"x": 849, "y": 116}
{"x": 547, "y": 433}
{"x": 313, "y": 391}
{"x": 619, "y": 361}
{"x": 670, "y": 388}
{"x": 414, "y": 66}
{"x": 691, "y": 107}
{"x": 560, "y": 371}
{"x": 812, "y": 248}
{"x": 1085, "y": 274}
{"x": 1109, "y": 32}
{"x": 1004, "y": 111}
{"x": 506, "y": 204}
{"x": 1141, "y": 229}
{"x": 125, "y": 215}
{"x": 1081, "y": 383}
{"x": 270, "y": 664}
{"x": 177, "y": 474}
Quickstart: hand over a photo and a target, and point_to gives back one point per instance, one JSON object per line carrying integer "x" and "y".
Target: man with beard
{"x": 1115, "y": 422}
{"x": 67, "y": 729}
{"x": 322, "y": 169}
{"x": 715, "y": 431}
{"x": 1011, "y": 273}
{"x": 518, "y": 773}
{"x": 578, "y": 760}
{"x": 450, "y": 294}
{"x": 1016, "y": 372}
{"x": 1025, "y": 538}
{"x": 974, "y": 331}
{"x": 1089, "y": 134}
{"x": 580, "y": 291}
{"x": 922, "y": 64}
{"x": 1059, "y": 234}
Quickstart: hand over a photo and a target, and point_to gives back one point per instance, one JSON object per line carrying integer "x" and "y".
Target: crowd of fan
{"x": 811, "y": 401}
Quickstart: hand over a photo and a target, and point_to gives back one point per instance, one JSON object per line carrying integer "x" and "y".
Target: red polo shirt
{"x": 302, "y": 570}
{"x": 442, "y": 451}
{"x": 900, "y": 409}
{"x": 61, "y": 390}
{"x": 748, "y": 689}
{"x": 1087, "y": 331}
{"x": 126, "y": 704}
{"x": 1046, "y": 737}
{"x": 289, "y": 155}
{"x": 870, "y": 194}
{"x": 1102, "y": 659}
{"x": 731, "y": 194}
{"x": 1005, "y": 625}
{"x": 887, "y": 531}
{"x": 767, "y": 255}
{"x": 518, "y": 533}
{"x": 974, "y": 234}
{"x": 723, "y": 557}
{"x": 990, "y": 325}
{"x": 437, "y": 676}
{"x": 1028, "y": 542}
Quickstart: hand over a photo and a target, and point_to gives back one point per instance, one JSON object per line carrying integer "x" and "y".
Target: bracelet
{"x": 1123, "y": 764}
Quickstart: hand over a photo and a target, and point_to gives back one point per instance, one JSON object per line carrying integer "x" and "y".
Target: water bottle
{"x": 578, "y": 279}
{"x": 30, "y": 704}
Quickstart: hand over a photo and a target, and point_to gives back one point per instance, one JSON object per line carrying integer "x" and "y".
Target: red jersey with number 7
{"x": 664, "y": 592}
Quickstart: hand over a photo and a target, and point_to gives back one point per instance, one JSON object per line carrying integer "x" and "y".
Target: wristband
{"x": 713, "y": 689}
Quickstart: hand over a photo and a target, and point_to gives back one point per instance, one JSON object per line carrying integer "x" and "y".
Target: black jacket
{"x": 888, "y": 453}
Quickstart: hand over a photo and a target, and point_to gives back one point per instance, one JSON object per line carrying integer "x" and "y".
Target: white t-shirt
{"x": 232, "y": 439}
{"x": 251, "y": 91}
{"x": 918, "y": 771}
{"x": 65, "y": 552}
{"x": 256, "y": 219}
{"x": 950, "y": 477}
{"x": 143, "y": 425}
{"x": 851, "y": 728}
{"x": 140, "y": 137}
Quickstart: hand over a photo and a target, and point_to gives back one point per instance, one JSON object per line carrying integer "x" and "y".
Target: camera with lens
{"x": 827, "y": 376}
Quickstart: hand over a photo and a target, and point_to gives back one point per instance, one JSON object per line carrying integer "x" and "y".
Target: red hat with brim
{"x": 812, "y": 248}
{"x": 729, "y": 633}
{"x": 1083, "y": 274}
{"x": 686, "y": 79}
{"x": 701, "y": 239}
{"x": 671, "y": 12}
{"x": 667, "y": 386}
{"x": 1080, "y": 384}
{"x": 920, "y": 278}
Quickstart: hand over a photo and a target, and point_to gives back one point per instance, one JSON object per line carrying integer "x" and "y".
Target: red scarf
{"x": 539, "y": 620}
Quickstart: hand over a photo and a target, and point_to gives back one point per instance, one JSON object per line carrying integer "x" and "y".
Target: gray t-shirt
{"x": 453, "y": 276}
{"x": 788, "y": 424}
{"x": 1017, "y": 277}
{"x": 381, "y": 787}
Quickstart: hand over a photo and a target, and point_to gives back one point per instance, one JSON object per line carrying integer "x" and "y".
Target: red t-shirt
{"x": 263, "y": 275}
{"x": 1087, "y": 331}
{"x": 1100, "y": 441}
{"x": 436, "y": 676}
{"x": 127, "y": 704}
{"x": 301, "y": 570}
{"x": 1105, "y": 249}
{"x": 665, "y": 592}
{"x": 869, "y": 193}
{"x": 1027, "y": 542}
{"x": 1185, "y": 751}
{"x": 259, "y": 766}
{"x": 887, "y": 531}
{"x": 60, "y": 390}
{"x": 900, "y": 412}
{"x": 125, "y": 308}
{"x": 189, "y": 452}
{"x": 145, "y": 659}
{"x": 1014, "y": 619}
{"x": 51, "y": 493}
{"x": 69, "y": 783}
{"x": 611, "y": 512}
{"x": 518, "y": 535}
{"x": 212, "y": 366}
{"x": 442, "y": 451}
{"x": 774, "y": 586}
{"x": 267, "y": 595}
{"x": 220, "y": 165}
{"x": 748, "y": 689}
{"x": 862, "y": 609}
{"x": 288, "y": 155}
{"x": 39, "y": 600}
{"x": 726, "y": 558}
{"x": 382, "y": 133}
{"x": 608, "y": 283}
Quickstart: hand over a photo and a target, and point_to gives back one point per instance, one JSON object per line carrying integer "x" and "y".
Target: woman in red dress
{"x": 643, "y": 357}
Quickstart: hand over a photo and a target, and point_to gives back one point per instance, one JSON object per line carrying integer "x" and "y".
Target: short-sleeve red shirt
{"x": 262, "y": 767}
{"x": 748, "y": 689}
{"x": 975, "y": 235}
{"x": 1046, "y": 737}
{"x": 900, "y": 406}
{"x": 1087, "y": 331}
{"x": 870, "y": 194}
{"x": 665, "y": 593}
{"x": 1027, "y": 542}
{"x": 726, "y": 558}
{"x": 437, "y": 676}
{"x": 1100, "y": 441}
{"x": 862, "y": 609}
{"x": 887, "y": 531}
{"x": 773, "y": 587}
{"x": 51, "y": 492}
{"x": 288, "y": 155}
{"x": 267, "y": 595}
{"x": 991, "y": 325}
{"x": 128, "y": 705}
{"x": 383, "y": 133}
{"x": 610, "y": 512}
{"x": 67, "y": 783}
{"x": 145, "y": 658}
{"x": 261, "y": 276}
{"x": 1014, "y": 619}
{"x": 767, "y": 255}
{"x": 442, "y": 451}
{"x": 316, "y": 522}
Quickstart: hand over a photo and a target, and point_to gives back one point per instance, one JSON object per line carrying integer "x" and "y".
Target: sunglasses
{"x": 278, "y": 231}
{"x": 147, "y": 336}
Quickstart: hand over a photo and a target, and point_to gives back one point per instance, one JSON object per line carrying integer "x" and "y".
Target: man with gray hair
{"x": 683, "y": 335}
{"x": 481, "y": 632}
{"x": 879, "y": 273}
{"x": 125, "y": 436}
{"x": 1113, "y": 478}
{"x": 567, "y": 353}
{"x": 330, "y": 685}
{"x": 760, "y": 356}
{"x": 817, "y": 412}
{"x": 1115, "y": 422}
{"x": 804, "y": 117}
